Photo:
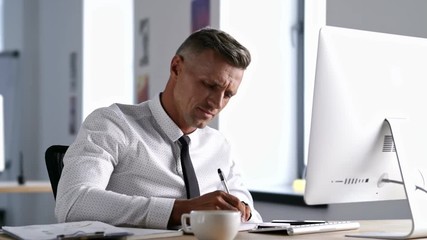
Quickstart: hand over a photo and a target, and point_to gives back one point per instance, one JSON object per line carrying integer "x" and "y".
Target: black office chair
{"x": 53, "y": 157}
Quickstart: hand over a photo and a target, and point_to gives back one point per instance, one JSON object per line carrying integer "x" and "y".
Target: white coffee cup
{"x": 212, "y": 224}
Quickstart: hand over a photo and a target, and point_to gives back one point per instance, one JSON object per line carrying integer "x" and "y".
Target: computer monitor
{"x": 369, "y": 122}
{"x": 2, "y": 154}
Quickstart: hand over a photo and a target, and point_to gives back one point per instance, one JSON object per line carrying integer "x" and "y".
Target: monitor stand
{"x": 416, "y": 197}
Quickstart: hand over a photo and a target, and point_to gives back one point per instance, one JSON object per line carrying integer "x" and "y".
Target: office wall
{"x": 389, "y": 16}
{"x": 10, "y": 34}
{"x": 25, "y": 129}
{"x": 168, "y": 25}
{"x": 50, "y": 32}
{"x": 60, "y": 85}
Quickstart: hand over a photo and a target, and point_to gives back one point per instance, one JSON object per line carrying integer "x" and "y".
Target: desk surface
{"x": 365, "y": 226}
{"x": 27, "y": 187}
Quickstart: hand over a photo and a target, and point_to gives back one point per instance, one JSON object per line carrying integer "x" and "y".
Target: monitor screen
{"x": 2, "y": 154}
{"x": 363, "y": 78}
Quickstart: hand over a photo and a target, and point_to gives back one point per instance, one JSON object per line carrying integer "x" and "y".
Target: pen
{"x": 224, "y": 183}
{"x": 80, "y": 235}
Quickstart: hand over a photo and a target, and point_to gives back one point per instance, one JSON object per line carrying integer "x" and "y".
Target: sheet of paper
{"x": 247, "y": 226}
{"x": 144, "y": 233}
{"x": 52, "y": 231}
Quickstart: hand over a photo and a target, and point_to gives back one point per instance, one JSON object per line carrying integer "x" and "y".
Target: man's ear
{"x": 176, "y": 65}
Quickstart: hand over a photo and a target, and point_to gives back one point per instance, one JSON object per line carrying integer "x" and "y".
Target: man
{"x": 124, "y": 167}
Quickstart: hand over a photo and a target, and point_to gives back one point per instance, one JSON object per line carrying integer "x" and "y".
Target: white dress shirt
{"x": 124, "y": 167}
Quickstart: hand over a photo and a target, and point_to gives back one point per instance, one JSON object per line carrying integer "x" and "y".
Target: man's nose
{"x": 216, "y": 99}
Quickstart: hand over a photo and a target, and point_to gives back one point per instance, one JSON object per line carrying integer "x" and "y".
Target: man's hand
{"x": 217, "y": 200}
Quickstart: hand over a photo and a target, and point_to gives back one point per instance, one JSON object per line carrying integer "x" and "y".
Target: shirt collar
{"x": 165, "y": 122}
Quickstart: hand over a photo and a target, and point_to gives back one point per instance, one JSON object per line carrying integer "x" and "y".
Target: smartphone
{"x": 272, "y": 225}
{"x": 299, "y": 222}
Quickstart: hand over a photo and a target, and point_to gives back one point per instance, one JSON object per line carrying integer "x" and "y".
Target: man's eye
{"x": 210, "y": 86}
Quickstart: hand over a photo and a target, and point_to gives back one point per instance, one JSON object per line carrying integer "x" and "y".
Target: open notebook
{"x": 83, "y": 229}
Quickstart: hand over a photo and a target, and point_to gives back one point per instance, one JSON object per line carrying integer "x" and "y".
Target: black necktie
{"x": 190, "y": 179}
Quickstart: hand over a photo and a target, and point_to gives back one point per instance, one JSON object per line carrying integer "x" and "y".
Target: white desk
{"x": 368, "y": 225}
{"x": 27, "y": 187}
{"x": 365, "y": 226}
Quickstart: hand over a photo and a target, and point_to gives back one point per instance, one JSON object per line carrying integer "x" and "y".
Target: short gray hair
{"x": 220, "y": 42}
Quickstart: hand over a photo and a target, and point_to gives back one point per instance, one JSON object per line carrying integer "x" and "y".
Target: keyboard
{"x": 322, "y": 227}
{"x": 330, "y": 226}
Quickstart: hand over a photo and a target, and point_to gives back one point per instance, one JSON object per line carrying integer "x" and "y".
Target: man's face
{"x": 204, "y": 84}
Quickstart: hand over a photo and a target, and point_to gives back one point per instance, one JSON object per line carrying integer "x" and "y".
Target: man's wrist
{"x": 177, "y": 210}
{"x": 250, "y": 213}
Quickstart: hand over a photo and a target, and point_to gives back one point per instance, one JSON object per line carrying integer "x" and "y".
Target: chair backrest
{"x": 53, "y": 157}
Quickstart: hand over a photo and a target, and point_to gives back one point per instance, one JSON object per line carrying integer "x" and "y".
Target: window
{"x": 107, "y": 53}
{"x": 315, "y": 18}
{"x": 264, "y": 121}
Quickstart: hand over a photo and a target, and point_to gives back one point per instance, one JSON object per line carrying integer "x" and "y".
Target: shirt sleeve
{"x": 238, "y": 189}
{"x": 88, "y": 165}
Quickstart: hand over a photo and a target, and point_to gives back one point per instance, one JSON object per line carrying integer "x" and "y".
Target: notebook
{"x": 84, "y": 230}
{"x": 88, "y": 229}
{"x": 144, "y": 233}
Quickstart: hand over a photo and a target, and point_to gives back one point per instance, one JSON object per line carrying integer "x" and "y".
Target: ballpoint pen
{"x": 224, "y": 183}
{"x": 81, "y": 235}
